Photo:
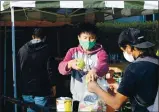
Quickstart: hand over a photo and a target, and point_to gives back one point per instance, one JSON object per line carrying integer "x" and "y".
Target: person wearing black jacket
{"x": 37, "y": 70}
{"x": 139, "y": 83}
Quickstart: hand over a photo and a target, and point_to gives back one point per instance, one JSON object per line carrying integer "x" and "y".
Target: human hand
{"x": 53, "y": 91}
{"x": 115, "y": 69}
{"x": 114, "y": 87}
{"x": 92, "y": 86}
{"x": 72, "y": 64}
{"x": 91, "y": 76}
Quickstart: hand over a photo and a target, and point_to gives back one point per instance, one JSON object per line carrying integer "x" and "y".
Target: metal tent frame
{"x": 66, "y": 14}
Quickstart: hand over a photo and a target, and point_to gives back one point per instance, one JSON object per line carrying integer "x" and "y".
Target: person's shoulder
{"x": 101, "y": 50}
{"x": 143, "y": 64}
{"x": 135, "y": 65}
{"x": 23, "y": 47}
{"x": 74, "y": 49}
{"x": 139, "y": 66}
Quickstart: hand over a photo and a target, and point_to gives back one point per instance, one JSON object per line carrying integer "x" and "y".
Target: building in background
{"x": 151, "y": 17}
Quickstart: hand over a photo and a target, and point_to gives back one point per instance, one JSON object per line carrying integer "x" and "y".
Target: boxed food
{"x": 91, "y": 102}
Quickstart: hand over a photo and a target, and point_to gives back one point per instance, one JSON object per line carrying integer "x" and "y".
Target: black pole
{"x": 1, "y": 66}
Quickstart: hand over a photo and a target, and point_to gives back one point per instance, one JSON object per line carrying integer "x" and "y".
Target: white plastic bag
{"x": 91, "y": 102}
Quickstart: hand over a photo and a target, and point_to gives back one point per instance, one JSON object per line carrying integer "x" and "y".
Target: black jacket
{"x": 37, "y": 69}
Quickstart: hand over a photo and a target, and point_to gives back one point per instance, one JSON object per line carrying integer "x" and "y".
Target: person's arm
{"x": 100, "y": 69}
{"x": 102, "y": 66}
{"x": 51, "y": 71}
{"x": 64, "y": 68}
{"x": 19, "y": 74}
{"x": 127, "y": 88}
{"x": 52, "y": 74}
{"x": 115, "y": 101}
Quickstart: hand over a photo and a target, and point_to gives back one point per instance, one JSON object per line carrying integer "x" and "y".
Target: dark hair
{"x": 87, "y": 28}
{"x": 147, "y": 52}
{"x": 39, "y": 33}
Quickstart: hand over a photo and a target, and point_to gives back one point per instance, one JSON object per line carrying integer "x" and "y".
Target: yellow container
{"x": 64, "y": 104}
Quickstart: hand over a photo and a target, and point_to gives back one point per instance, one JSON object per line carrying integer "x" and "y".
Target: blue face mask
{"x": 87, "y": 45}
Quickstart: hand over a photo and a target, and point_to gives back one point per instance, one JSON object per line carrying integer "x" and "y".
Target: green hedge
{"x": 113, "y": 29}
{"x": 107, "y": 26}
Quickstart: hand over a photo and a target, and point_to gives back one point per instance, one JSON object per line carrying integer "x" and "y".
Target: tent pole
{"x": 1, "y": 73}
{"x": 13, "y": 57}
{"x": 153, "y": 17}
{"x": 5, "y": 42}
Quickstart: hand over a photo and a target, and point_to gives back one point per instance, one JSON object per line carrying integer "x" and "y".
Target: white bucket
{"x": 64, "y": 104}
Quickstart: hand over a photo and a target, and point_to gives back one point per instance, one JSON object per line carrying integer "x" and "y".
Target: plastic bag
{"x": 91, "y": 102}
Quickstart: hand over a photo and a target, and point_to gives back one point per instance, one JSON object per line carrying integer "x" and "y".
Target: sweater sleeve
{"x": 63, "y": 64}
{"x": 102, "y": 66}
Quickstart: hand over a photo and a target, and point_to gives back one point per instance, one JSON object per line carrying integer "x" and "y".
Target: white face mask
{"x": 128, "y": 57}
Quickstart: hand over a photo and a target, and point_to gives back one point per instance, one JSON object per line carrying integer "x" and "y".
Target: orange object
{"x": 111, "y": 80}
{"x": 110, "y": 109}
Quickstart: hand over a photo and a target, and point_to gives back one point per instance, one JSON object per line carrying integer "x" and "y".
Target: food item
{"x": 98, "y": 106}
{"x": 91, "y": 102}
{"x": 80, "y": 63}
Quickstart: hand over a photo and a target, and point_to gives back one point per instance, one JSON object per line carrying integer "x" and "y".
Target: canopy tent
{"x": 75, "y": 11}
{"x": 70, "y": 12}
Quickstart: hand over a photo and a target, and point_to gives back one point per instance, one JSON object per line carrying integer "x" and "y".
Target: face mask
{"x": 128, "y": 57}
{"x": 87, "y": 45}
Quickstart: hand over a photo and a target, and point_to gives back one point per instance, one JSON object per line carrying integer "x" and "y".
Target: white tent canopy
{"x": 81, "y": 4}
{"x": 108, "y": 8}
{"x": 74, "y": 10}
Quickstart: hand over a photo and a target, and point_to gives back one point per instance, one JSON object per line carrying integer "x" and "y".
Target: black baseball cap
{"x": 133, "y": 37}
